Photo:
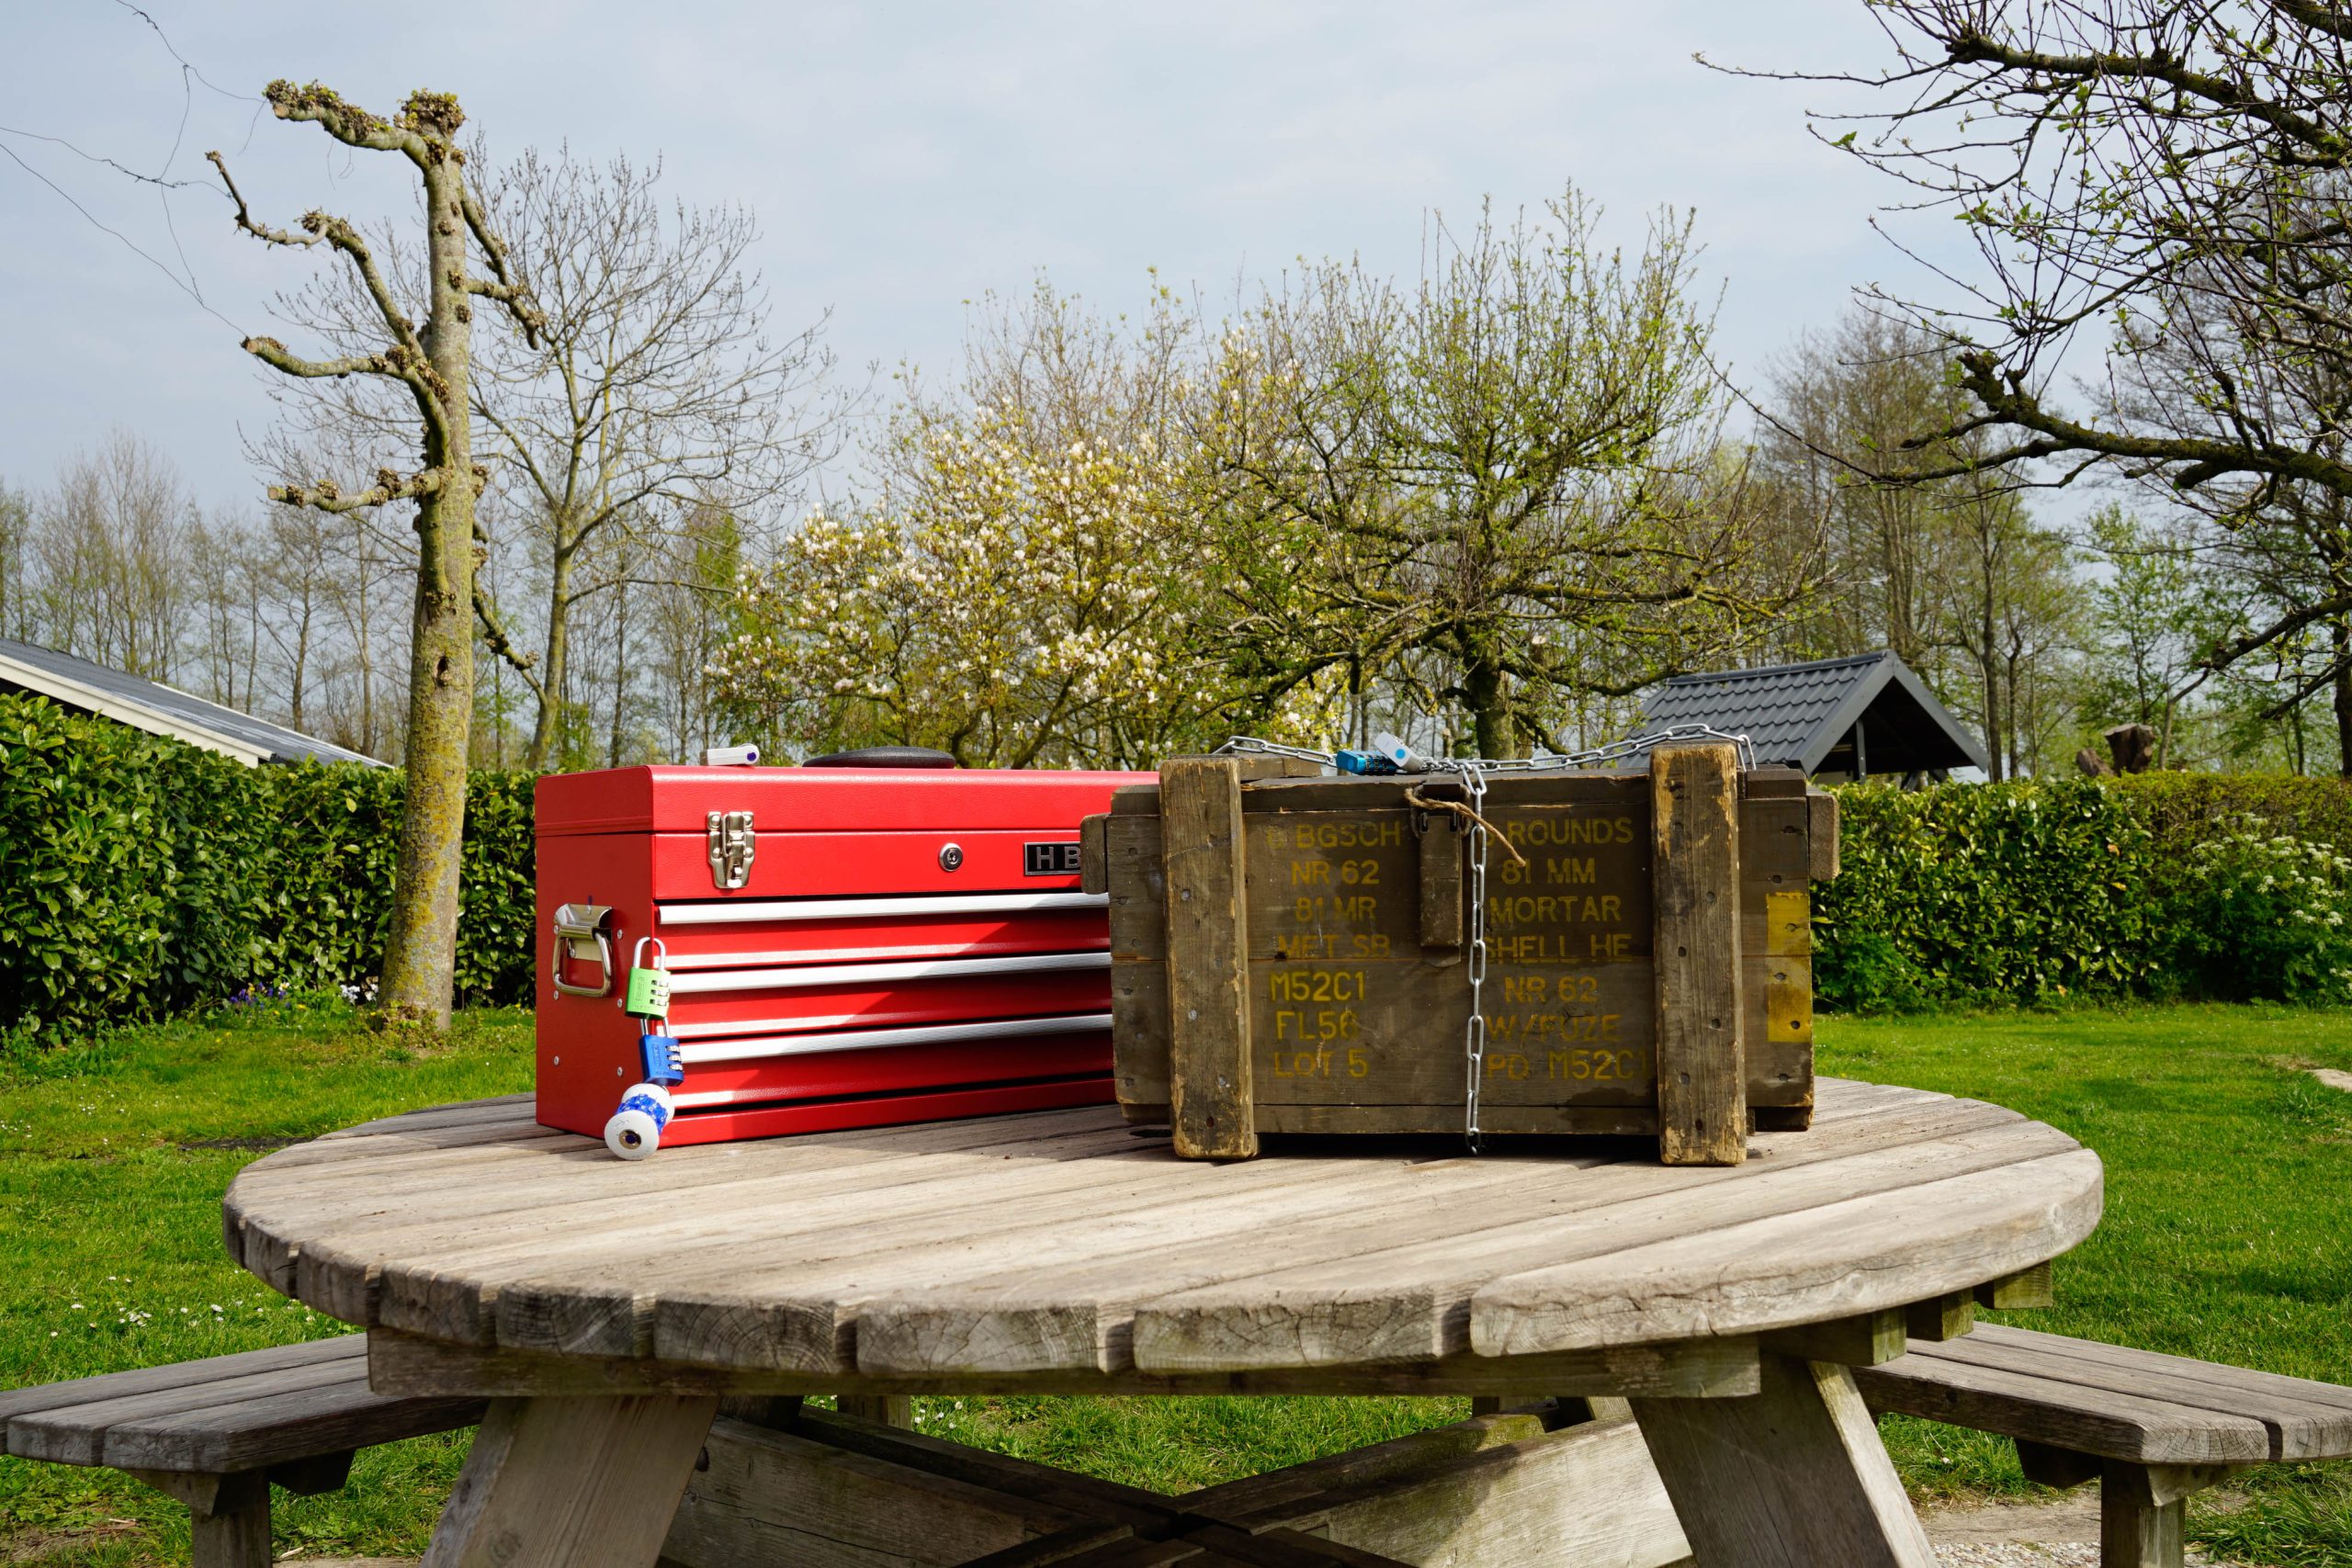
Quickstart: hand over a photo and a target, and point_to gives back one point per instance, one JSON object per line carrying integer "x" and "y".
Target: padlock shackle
{"x": 660, "y": 953}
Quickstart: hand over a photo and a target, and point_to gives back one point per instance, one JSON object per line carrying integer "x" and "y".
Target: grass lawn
{"x": 2228, "y": 1235}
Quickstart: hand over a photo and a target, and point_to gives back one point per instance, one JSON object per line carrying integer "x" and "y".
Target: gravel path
{"x": 2063, "y": 1533}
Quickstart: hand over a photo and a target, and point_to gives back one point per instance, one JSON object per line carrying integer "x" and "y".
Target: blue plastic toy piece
{"x": 662, "y": 1063}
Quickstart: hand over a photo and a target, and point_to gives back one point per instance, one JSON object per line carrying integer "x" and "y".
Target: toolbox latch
{"x": 580, "y": 936}
{"x": 733, "y": 847}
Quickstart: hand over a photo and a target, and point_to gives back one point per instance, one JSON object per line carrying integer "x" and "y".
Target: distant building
{"x": 158, "y": 709}
{"x": 1846, "y": 717}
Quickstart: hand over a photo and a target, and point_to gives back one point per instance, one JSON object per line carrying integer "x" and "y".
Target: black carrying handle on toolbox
{"x": 882, "y": 757}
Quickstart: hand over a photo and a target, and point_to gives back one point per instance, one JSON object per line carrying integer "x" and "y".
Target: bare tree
{"x": 433, "y": 365}
{"x": 2174, "y": 176}
{"x": 109, "y": 555}
{"x": 654, "y": 391}
{"x": 224, "y": 571}
{"x": 16, "y": 542}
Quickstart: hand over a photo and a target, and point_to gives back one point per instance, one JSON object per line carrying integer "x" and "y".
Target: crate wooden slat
{"x": 1617, "y": 934}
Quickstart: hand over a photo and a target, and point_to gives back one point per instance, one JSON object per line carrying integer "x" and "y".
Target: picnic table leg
{"x": 1793, "y": 1476}
{"x": 557, "y": 1481}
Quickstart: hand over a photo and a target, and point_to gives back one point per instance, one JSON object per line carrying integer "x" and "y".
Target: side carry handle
{"x": 580, "y": 935}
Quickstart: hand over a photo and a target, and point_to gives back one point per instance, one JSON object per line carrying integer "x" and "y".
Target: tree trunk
{"x": 620, "y": 676}
{"x": 1496, "y": 732}
{"x": 420, "y": 949}
{"x": 2340, "y": 642}
{"x": 554, "y": 662}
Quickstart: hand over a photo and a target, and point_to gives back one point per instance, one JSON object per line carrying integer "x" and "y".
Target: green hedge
{"x": 2027, "y": 892}
{"x": 139, "y": 876}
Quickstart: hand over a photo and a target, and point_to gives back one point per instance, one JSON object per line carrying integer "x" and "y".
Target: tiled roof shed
{"x": 1861, "y": 715}
{"x": 158, "y": 709}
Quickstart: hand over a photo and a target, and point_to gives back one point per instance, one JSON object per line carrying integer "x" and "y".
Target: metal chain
{"x": 1617, "y": 751}
{"x": 1474, "y": 1042}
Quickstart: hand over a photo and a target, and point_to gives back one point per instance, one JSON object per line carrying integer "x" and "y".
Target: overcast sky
{"x": 902, "y": 158}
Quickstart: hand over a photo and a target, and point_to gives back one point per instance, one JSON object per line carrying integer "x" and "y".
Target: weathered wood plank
{"x": 2111, "y": 1423}
{"x": 2033, "y": 1287}
{"x": 1093, "y": 857}
{"x": 1998, "y": 1211}
{"x": 2305, "y": 1420}
{"x": 231, "y": 1527}
{"x": 1701, "y": 1065}
{"x": 1864, "y": 1340}
{"x": 550, "y": 1484}
{"x": 406, "y": 1364}
{"x": 1468, "y": 1496}
{"x": 1733, "y": 1469}
{"x": 279, "y": 1427}
{"x": 2134, "y": 1529}
{"x": 767, "y": 1496}
{"x": 1250, "y": 1257}
{"x": 1441, "y": 911}
{"x": 1210, "y": 1072}
{"x": 76, "y": 1434}
{"x": 1943, "y": 1317}
{"x": 452, "y": 1296}
{"x": 1821, "y": 809}
{"x": 1442, "y": 1295}
{"x": 347, "y": 1347}
{"x": 1835, "y": 1258}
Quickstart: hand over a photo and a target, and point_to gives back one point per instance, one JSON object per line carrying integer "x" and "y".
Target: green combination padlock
{"x": 648, "y": 985}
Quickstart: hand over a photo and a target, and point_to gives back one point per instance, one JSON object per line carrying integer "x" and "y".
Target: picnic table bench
{"x": 2151, "y": 1428}
{"x": 217, "y": 1433}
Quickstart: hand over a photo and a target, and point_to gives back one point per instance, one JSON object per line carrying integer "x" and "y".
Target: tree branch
{"x": 245, "y": 219}
{"x": 495, "y": 638}
{"x": 274, "y": 354}
{"x": 506, "y": 289}
{"x": 347, "y": 123}
{"x": 327, "y": 496}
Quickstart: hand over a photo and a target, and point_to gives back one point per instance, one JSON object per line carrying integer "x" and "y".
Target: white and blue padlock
{"x": 635, "y": 1129}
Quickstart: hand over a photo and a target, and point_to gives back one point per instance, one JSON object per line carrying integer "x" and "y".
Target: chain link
{"x": 1617, "y": 751}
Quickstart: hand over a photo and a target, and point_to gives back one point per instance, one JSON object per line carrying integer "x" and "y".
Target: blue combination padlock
{"x": 635, "y": 1129}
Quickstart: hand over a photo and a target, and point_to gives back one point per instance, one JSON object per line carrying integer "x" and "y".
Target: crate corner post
{"x": 1701, "y": 1060}
{"x": 1211, "y": 1092}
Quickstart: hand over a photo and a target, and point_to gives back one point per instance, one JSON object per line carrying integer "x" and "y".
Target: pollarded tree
{"x": 433, "y": 366}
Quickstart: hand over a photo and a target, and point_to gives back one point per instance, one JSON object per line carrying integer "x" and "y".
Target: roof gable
{"x": 1797, "y": 715}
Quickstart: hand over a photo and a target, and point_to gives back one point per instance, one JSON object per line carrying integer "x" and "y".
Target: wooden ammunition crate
{"x": 1289, "y": 954}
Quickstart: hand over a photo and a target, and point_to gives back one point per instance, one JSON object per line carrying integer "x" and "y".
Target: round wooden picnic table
{"x": 607, "y": 1305}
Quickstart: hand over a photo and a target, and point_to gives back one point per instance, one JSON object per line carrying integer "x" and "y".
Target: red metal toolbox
{"x": 847, "y": 946}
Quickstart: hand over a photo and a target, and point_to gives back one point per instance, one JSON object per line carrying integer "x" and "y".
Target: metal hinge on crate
{"x": 733, "y": 847}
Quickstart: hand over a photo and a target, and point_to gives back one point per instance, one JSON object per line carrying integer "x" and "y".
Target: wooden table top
{"x": 1066, "y": 1242}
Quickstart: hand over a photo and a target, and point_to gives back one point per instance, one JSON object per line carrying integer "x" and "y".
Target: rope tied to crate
{"x": 1416, "y": 798}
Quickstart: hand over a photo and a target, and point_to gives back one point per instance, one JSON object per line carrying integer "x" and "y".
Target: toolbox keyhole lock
{"x": 951, "y": 856}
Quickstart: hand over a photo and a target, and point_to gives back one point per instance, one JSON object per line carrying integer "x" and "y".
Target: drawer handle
{"x": 774, "y": 1045}
{"x": 897, "y": 972}
{"x": 747, "y": 911}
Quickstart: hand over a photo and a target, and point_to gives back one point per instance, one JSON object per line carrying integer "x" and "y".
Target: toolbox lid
{"x": 827, "y": 799}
